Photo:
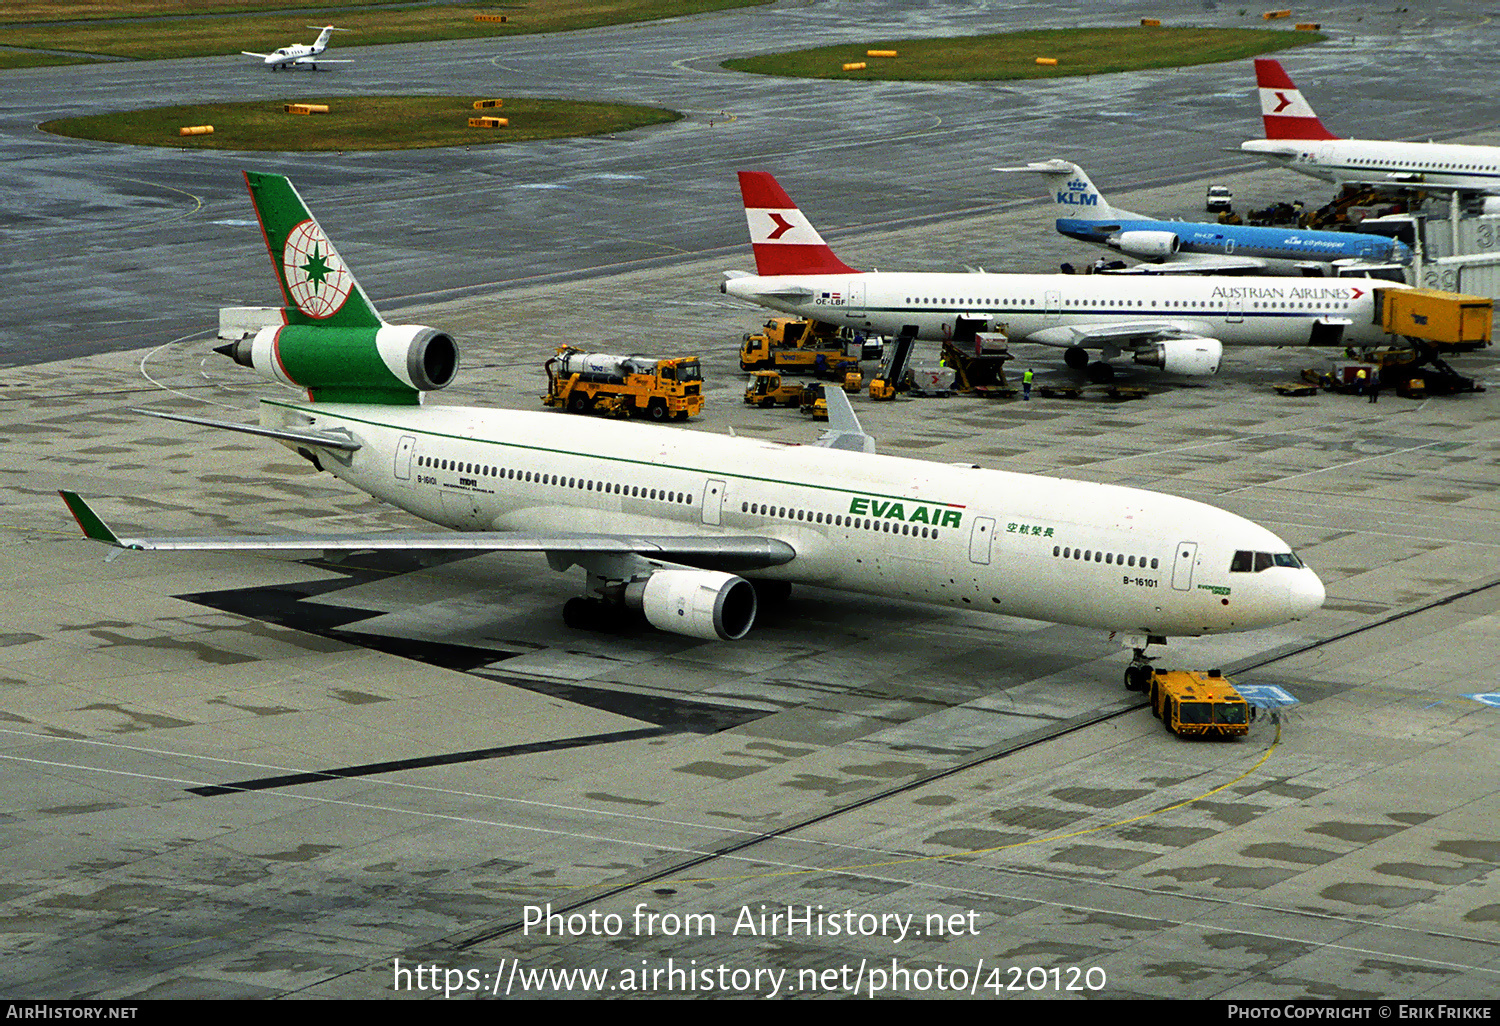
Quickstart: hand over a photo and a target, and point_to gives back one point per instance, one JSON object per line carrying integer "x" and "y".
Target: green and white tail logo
{"x": 318, "y": 286}
{"x": 316, "y": 277}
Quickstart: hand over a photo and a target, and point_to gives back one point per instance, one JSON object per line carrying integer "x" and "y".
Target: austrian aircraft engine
{"x": 1183, "y": 355}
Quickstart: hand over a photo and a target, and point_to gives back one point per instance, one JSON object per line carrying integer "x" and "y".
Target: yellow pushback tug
{"x": 1190, "y": 703}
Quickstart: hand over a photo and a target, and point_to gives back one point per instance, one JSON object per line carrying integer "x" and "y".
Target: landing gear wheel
{"x": 1099, "y": 372}
{"x": 584, "y": 614}
{"x": 772, "y": 592}
{"x": 1139, "y": 675}
{"x": 577, "y": 614}
{"x": 1076, "y": 357}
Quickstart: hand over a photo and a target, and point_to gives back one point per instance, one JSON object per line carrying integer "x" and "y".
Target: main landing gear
{"x": 1138, "y": 673}
{"x": 601, "y": 615}
{"x": 1097, "y": 371}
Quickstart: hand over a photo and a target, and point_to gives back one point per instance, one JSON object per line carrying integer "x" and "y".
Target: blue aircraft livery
{"x": 1084, "y": 214}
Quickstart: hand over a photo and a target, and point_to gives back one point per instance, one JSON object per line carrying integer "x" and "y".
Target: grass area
{"x": 158, "y": 39}
{"x": 12, "y": 11}
{"x": 1012, "y": 55}
{"x": 359, "y": 123}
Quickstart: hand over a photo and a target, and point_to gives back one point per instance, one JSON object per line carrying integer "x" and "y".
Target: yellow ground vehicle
{"x": 815, "y": 402}
{"x": 765, "y": 390}
{"x": 1437, "y": 318}
{"x": 1194, "y": 704}
{"x": 801, "y": 346}
{"x": 892, "y": 373}
{"x": 979, "y": 363}
{"x": 580, "y": 382}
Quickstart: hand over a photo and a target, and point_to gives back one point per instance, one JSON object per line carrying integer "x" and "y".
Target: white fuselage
{"x": 1383, "y": 162}
{"x": 1050, "y": 549}
{"x": 1236, "y": 310}
{"x": 290, "y": 56}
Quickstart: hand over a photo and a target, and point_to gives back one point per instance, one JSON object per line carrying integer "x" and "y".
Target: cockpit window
{"x": 1246, "y": 562}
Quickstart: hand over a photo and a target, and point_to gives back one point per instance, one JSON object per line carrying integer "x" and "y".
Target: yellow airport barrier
{"x": 1272, "y": 15}
{"x": 855, "y": 67}
{"x": 305, "y": 108}
{"x": 491, "y": 17}
{"x": 1308, "y": 26}
{"x": 484, "y": 104}
{"x": 489, "y": 122}
{"x": 1151, "y": 22}
{"x": 880, "y": 53}
{"x": 1050, "y": 62}
{"x": 196, "y": 130}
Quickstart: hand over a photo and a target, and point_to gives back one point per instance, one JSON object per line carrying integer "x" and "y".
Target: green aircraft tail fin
{"x": 318, "y": 285}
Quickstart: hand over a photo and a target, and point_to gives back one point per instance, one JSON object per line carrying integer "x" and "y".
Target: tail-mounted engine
{"x": 1147, "y": 245}
{"x": 392, "y": 365}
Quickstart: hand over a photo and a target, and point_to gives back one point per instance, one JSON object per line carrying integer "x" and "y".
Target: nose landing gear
{"x": 1138, "y": 673}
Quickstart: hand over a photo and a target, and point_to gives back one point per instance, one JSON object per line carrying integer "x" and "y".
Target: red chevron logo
{"x": 782, "y": 227}
{"x": 1285, "y": 103}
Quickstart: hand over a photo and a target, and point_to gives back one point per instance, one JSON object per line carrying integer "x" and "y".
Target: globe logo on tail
{"x": 316, "y": 276}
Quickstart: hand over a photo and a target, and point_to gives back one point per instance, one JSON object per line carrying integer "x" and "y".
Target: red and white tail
{"x": 784, "y": 240}
{"x": 1286, "y": 113}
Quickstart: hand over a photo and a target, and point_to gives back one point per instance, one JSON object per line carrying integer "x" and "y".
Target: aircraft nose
{"x": 1306, "y": 594}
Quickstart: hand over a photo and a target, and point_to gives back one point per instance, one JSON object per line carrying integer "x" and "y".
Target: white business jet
{"x": 1177, "y": 323}
{"x": 677, "y": 524}
{"x": 300, "y": 55}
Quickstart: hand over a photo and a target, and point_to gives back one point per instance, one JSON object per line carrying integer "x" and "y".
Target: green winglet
{"x": 87, "y": 519}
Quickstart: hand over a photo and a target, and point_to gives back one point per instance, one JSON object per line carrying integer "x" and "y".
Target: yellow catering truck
{"x": 1437, "y": 318}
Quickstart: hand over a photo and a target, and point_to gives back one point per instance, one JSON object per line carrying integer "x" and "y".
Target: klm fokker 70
{"x": 677, "y": 524}
{"x": 1193, "y": 246}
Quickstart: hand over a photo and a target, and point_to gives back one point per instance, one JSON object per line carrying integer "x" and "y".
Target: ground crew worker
{"x": 1026, "y": 384}
{"x": 1360, "y": 377}
{"x": 1375, "y": 385}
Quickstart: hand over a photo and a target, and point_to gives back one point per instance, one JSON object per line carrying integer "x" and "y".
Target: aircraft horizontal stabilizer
{"x": 730, "y": 552}
{"x": 325, "y": 439}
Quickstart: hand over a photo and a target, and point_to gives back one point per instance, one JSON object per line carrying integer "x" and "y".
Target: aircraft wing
{"x": 262, "y": 56}
{"x": 725, "y": 552}
{"x": 1124, "y": 334}
{"x": 1197, "y": 263}
{"x": 314, "y": 59}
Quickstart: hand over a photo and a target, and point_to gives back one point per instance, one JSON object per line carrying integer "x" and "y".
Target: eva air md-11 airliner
{"x": 693, "y": 529}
